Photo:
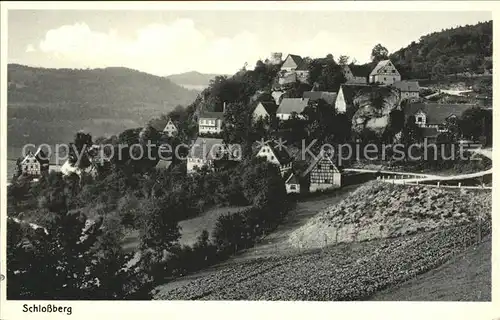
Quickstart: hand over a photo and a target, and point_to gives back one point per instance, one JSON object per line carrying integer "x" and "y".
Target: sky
{"x": 171, "y": 42}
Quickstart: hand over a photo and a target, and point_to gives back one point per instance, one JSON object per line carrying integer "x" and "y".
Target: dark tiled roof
{"x": 211, "y": 115}
{"x": 205, "y": 148}
{"x": 303, "y": 66}
{"x": 328, "y": 97}
{"x": 296, "y": 58}
{"x": 315, "y": 161}
{"x": 430, "y": 132}
{"x": 292, "y": 179}
{"x": 351, "y": 91}
{"x": 282, "y": 155}
{"x": 407, "y": 86}
{"x": 269, "y": 106}
{"x": 379, "y": 66}
{"x": 359, "y": 71}
{"x": 289, "y": 105}
{"x": 436, "y": 113}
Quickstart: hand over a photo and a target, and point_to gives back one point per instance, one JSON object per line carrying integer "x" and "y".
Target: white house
{"x": 291, "y": 63}
{"x": 385, "y": 73}
{"x": 280, "y": 158}
{"x": 34, "y": 164}
{"x": 323, "y": 174}
{"x": 210, "y": 122}
{"x": 264, "y": 110}
{"x": 293, "y": 69}
{"x": 288, "y": 106}
{"x": 292, "y": 184}
{"x": 203, "y": 152}
{"x": 170, "y": 128}
{"x": 409, "y": 89}
{"x": 346, "y": 95}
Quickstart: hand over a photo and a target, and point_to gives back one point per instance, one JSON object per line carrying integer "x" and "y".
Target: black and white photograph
{"x": 246, "y": 154}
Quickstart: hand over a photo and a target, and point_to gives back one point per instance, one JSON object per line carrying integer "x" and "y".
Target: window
{"x": 419, "y": 119}
{"x": 293, "y": 187}
{"x": 385, "y": 78}
{"x": 331, "y": 167}
{"x": 327, "y": 180}
{"x": 319, "y": 167}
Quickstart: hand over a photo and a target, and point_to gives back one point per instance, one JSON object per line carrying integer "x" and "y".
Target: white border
{"x": 252, "y": 310}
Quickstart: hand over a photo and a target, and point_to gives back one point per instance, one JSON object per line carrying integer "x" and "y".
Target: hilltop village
{"x": 366, "y": 100}
{"x": 241, "y": 176}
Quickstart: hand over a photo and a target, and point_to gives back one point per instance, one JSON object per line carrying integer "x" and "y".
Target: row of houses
{"x": 321, "y": 174}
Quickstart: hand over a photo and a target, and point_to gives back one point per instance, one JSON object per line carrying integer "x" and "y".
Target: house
{"x": 385, "y": 73}
{"x": 292, "y": 184}
{"x": 33, "y": 164}
{"x": 279, "y": 157}
{"x": 431, "y": 117}
{"x": 277, "y": 96}
{"x": 293, "y": 69}
{"x": 409, "y": 89}
{"x": 203, "y": 152}
{"x": 353, "y": 75}
{"x": 291, "y": 63}
{"x": 210, "y": 122}
{"x": 348, "y": 93}
{"x": 170, "y": 128}
{"x": 328, "y": 97}
{"x": 323, "y": 174}
{"x": 291, "y": 105}
{"x": 264, "y": 110}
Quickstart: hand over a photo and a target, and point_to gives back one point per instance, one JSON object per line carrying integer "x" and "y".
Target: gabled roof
{"x": 39, "y": 155}
{"x": 211, "y": 115}
{"x": 303, "y": 66}
{"x": 430, "y": 132}
{"x": 292, "y": 179}
{"x": 315, "y": 161}
{"x": 359, "y": 71}
{"x": 282, "y": 155}
{"x": 269, "y": 106}
{"x": 328, "y": 97}
{"x": 296, "y": 58}
{"x": 289, "y": 105}
{"x": 170, "y": 121}
{"x": 379, "y": 66}
{"x": 202, "y": 148}
{"x": 407, "y": 86}
{"x": 436, "y": 113}
{"x": 350, "y": 91}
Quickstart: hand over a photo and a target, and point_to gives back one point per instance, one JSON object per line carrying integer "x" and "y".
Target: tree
{"x": 343, "y": 60}
{"x": 237, "y": 123}
{"x": 412, "y": 133}
{"x": 379, "y": 53}
{"x": 438, "y": 71}
{"x": 475, "y": 123}
{"x": 71, "y": 257}
{"x": 79, "y": 150}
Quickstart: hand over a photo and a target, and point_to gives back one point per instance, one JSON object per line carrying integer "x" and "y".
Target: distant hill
{"x": 463, "y": 49}
{"x": 192, "y": 79}
{"x": 50, "y": 105}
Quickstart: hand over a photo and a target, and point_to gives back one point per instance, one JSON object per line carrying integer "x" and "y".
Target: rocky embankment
{"x": 382, "y": 210}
